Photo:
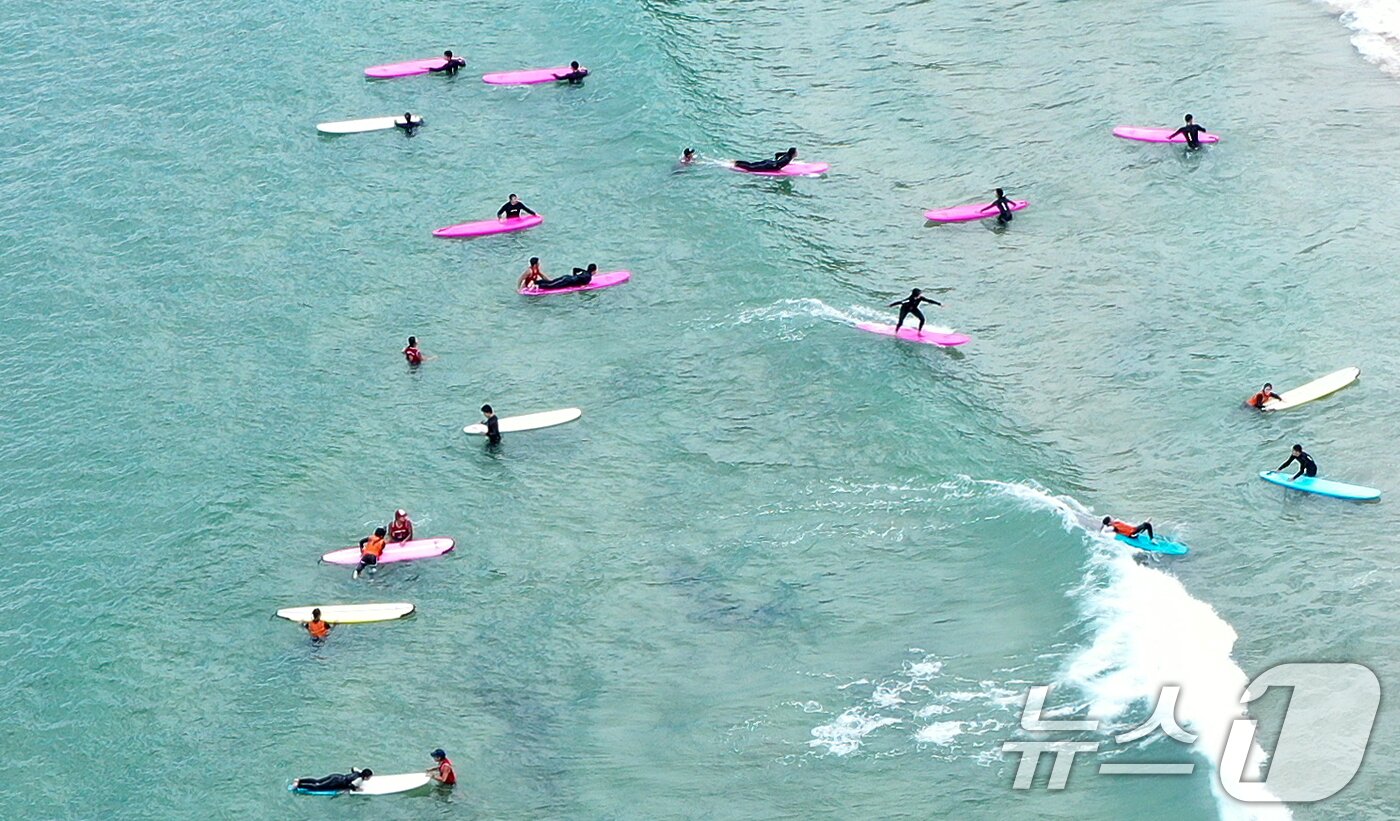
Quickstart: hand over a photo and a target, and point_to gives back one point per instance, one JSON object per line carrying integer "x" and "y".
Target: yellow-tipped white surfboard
{"x": 349, "y": 613}
{"x": 1316, "y": 389}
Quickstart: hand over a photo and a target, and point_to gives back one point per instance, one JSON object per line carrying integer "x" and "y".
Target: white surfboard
{"x": 380, "y": 785}
{"x": 529, "y": 421}
{"x": 1316, "y": 389}
{"x": 358, "y": 126}
{"x": 349, "y": 613}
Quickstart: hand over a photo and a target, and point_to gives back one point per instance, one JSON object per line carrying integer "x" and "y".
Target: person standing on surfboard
{"x": 336, "y": 782}
{"x": 401, "y": 528}
{"x": 493, "y": 425}
{"x": 909, "y": 306}
{"x": 451, "y": 65}
{"x": 575, "y": 75}
{"x": 532, "y": 274}
{"x": 1257, "y": 400}
{"x": 778, "y": 163}
{"x": 442, "y": 772}
{"x": 1124, "y": 529}
{"x": 318, "y": 629}
{"x": 512, "y": 209}
{"x": 371, "y": 548}
{"x": 1306, "y": 465}
{"x": 1003, "y": 206}
{"x": 1191, "y": 132}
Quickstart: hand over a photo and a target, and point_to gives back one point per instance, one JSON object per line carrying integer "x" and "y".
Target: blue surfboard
{"x": 1141, "y": 542}
{"x": 1322, "y": 487}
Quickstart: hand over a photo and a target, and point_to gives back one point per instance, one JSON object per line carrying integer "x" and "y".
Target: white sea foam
{"x": 809, "y": 308}
{"x": 1376, "y": 29}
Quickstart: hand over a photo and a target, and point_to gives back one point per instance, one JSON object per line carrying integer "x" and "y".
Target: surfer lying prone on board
{"x": 1191, "y": 132}
{"x": 580, "y": 276}
{"x": 371, "y": 548}
{"x": 450, "y": 65}
{"x": 778, "y": 163}
{"x": 512, "y": 209}
{"x": 1125, "y": 529}
{"x": 575, "y": 76}
{"x": 335, "y": 782}
{"x": 1257, "y": 400}
{"x": 1306, "y": 465}
{"x": 1003, "y": 206}
{"x": 909, "y": 306}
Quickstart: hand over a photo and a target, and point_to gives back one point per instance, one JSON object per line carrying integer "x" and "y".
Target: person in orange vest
{"x": 1124, "y": 529}
{"x": 318, "y": 629}
{"x": 1257, "y": 400}
{"x": 371, "y": 548}
{"x": 442, "y": 773}
{"x": 401, "y": 529}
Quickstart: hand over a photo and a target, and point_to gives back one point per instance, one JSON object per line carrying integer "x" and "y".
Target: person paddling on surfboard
{"x": 1191, "y": 132}
{"x": 1124, "y": 529}
{"x": 371, "y": 548}
{"x": 909, "y": 306}
{"x": 318, "y": 629}
{"x": 1306, "y": 465}
{"x": 401, "y": 528}
{"x": 1003, "y": 206}
{"x": 493, "y": 425}
{"x": 778, "y": 163}
{"x": 336, "y": 782}
{"x": 450, "y": 64}
{"x": 575, "y": 74}
{"x": 532, "y": 274}
{"x": 1257, "y": 400}
{"x": 580, "y": 276}
{"x": 512, "y": 209}
{"x": 409, "y": 123}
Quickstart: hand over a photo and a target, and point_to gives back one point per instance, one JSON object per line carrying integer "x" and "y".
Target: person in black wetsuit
{"x": 688, "y": 156}
{"x": 778, "y": 163}
{"x": 1003, "y": 206}
{"x": 580, "y": 276}
{"x": 1191, "y": 132}
{"x": 909, "y": 306}
{"x": 336, "y": 782}
{"x": 1306, "y": 465}
{"x": 493, "y": 425}
{"x": 512, "y": 209}
{"x": 409, "y": 123}
{"x": 575, "y": 75}
{"x": 451, "y": 64}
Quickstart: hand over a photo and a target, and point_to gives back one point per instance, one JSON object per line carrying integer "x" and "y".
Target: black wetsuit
{"x": 408, "y": 125}
{"x": 493, "y": 429}
{"x": 910, "y": 307}
{"x": 573, "y": 78}
{"x": 512, "y": 210}
{"x": 778, "y": 163}
{"x": 1306, "y": 465}
{"x": 1192, "y": 132}
{"x": 1003, "y": 209}
{"x": 577, "y": 278}
{"x": 333, "y": 782}
{"x": 450, "y": 66}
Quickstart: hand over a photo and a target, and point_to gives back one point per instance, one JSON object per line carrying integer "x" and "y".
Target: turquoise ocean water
{"x": 780, "y": 568}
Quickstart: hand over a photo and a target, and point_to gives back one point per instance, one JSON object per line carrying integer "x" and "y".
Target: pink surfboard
{"x": 792, "y": 169}
{"x": 603, "y": 280}
{"x": 1158, "y": 135}
{"x": 968, "y": 213}
{"x": 394, "y": 552}
{"x": 527, "y": 77}
{"x": 482, "y": 228}
{"x": 406, "y": 69}
{"x": 913, "y": 335}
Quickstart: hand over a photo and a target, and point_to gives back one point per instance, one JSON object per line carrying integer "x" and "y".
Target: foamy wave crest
{"x": 1376, "y": 27}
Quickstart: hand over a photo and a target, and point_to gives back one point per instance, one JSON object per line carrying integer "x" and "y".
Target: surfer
{"x": 575, "y": 75}
{"x": 493, "y": 425}
{"x": 1191, "y": 132}
{"x": 442, "y": 772}
{"x": 412, "y": 354}
{"x": 408, "y": 123}
{"x": 401, "y": 528}
{"x": 580, "y": 276}
{"x": 688, "y": 156}
{"x": 336, "y": 782}
{"x": 318, "y": 629}
{"x": 1003, "y": 206}
{"x": 450, "y": 65}
{"x": 909, "y": 306}
{"x": 1306, "y": 465}
{"x": 1257, "y": 400}
{"x": 1124, "y": 529}
{"x": 778, "y": 163}
{"x": 512, "y": 209}
{"x": 371, "y": 547}
{"x": 532, "y": 274}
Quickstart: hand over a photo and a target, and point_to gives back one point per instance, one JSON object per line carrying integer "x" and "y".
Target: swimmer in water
{"x": 412, "y": 354}
{"x": 317, "y": 629}
{"x": 688, "y": 156}
{"x": 1003, "y": 206}
{"x": 493, "y": 425}
{"x": 450, "y": 64}
{"x": 1191, "y": 132}
{"x": 409, "y": 123}
{"x": 778, "y": 163}
{"x": 575, "y": 74}
{"x": 909, "y": 306}
{"x": 1306, "y": 465}
{"x": 512, "y": 209}
{"x": 1257, "y": 400}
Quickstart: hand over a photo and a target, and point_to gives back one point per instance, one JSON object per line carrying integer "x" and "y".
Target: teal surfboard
{"x": 1322, "y": 487}
{"x": 1141, "y": 542}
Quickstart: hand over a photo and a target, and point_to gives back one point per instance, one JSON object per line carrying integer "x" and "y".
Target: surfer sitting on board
{"x": 580, "y": 276}
{"x": 1257, "y": 400}
{"x": 1124, "y": 529}
{"x": 493, "y": 425}
{"x": 1306, "y": 465}
{"x": 532, "y": 274}
{"x": 408, "y": 123}
{"x": 1191, "y": 132}
{"x": 336, "y": 782}
{"x": 512, "y": 209}
{"x": 910, "y": 306}
{"x": 575, "y": 75}
{"x": 318, "y": 629}
{"x": 401, "y": 528}
{"x": 451, "y": 65}
{"x": 778, "y": 163}
{"x": 370, "y": 549}
{"x": 1003, "y": 206}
